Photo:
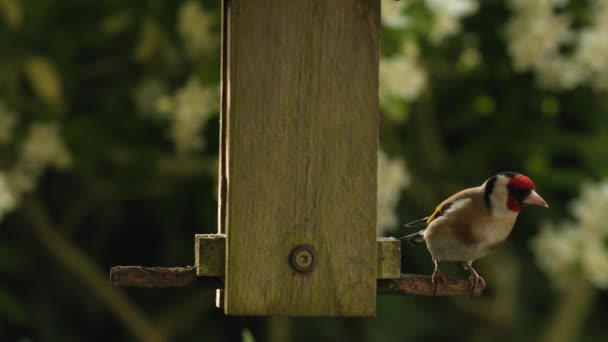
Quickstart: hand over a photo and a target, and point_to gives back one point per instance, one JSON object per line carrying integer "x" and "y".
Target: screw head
{"x": 303, "y": 258}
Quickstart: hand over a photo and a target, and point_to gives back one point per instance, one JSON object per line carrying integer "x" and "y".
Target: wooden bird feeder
{"x": 298, "y": 168}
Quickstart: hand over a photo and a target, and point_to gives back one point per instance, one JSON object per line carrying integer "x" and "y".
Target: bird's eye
{"x": 518, "y": 193}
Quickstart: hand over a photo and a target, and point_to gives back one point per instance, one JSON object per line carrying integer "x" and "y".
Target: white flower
{"x": 392, "y": 179}
{"x": 592, "y": 52}
{"x": 601, "y": 81}
{"x": 579, "y": 247}
{"x": 8, "y": 120}
{"x": 44, "y": 147}
{"x": 599, "y": 9}
{"x": 531, "y": 6}
{"x": 392, "y": 14}
{"x": 190, "y": 108}
{"x": 7, "y": 200}
{"x": 538, "y": 30}
{"x": 194, "y": 25}
{"x": 595, "y": 263}
{"x": 535, "y": 36}
{"x": 591, "y": 209}
{"x": 557, "y": 72}
{"x": 447, "y": 16}
{"x": 402, "y": 76}
{"x": 456, "y": 8}
{"x": 22, "y": 179}
{"x": 557, "y": 251}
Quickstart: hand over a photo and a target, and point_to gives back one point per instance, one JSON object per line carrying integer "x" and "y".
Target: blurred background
{"x": 109, "y": 145}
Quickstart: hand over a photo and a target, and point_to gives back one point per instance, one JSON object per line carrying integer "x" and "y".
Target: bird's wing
{"x": 447, "y": 204}
{"x": 459, "y": 215}
{"x": 443, "y": 207}
{"x": 439, "y": 211}
{"x": 422, "y": 223}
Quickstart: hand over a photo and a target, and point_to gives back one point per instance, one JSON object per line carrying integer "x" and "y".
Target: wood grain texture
{"x": 388, "y": 258}
{"x": 302, "y": 140}
{"x": 420, "y": 285}
{"x": 158, "y": 277}
{"x": 222, "y": 162}
{"x": 210, "y": 254}
{"x": 161, "y": 277}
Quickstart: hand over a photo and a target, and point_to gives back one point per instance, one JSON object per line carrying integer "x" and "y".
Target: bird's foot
{"x": 438, "y": 277}
{"x": 475, "y": 280}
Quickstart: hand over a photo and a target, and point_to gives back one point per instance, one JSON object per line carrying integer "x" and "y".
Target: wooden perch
{"x": 420, "y": 285}
{"x": 209, "y": 271}
{"x": 159, "y": 277}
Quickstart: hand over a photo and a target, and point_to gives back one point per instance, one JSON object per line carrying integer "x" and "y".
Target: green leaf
{"x": 248, "y": 336}
{"x": 395, "y": 109}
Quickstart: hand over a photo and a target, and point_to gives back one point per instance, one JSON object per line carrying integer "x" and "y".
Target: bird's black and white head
{"x": 510, "y": 192}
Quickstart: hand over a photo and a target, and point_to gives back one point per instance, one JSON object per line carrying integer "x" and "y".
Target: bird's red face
{"x": 521, "y": 193}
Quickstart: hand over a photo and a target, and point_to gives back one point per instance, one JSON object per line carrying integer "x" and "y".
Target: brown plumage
{"x": 473, "y": 222}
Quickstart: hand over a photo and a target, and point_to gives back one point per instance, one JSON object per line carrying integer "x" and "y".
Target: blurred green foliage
{"x": 129, "y": 199}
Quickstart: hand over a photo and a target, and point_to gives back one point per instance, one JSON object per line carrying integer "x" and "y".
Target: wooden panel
{"x": 388, "y": 258}
{"x": 209, "y": 254}
{"x": 302, "y": 133}
{"x": 224, "y": 82}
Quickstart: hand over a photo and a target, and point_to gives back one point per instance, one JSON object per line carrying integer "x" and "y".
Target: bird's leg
{"x": 474, "y": 278}
{"x": 437, "y": 277}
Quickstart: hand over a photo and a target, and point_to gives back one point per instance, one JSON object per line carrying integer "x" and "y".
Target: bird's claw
{"x": 437, "y": 277}
{"x": 475, "y": 280}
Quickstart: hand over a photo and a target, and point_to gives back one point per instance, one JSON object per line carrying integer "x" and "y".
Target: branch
{"x": 74, "y": 217}
{"x": 420, "y": 285}
{"x": 78, "y": 263}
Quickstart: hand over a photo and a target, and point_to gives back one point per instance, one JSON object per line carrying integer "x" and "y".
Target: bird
{"x": 473, "y": 222}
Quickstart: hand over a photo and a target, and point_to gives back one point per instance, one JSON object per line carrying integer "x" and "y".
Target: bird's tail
{"x": 414, "y": 238}
{"x": 422, "y": 223}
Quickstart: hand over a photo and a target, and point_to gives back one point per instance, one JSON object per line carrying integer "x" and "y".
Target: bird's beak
{"x": 535, "y": 199}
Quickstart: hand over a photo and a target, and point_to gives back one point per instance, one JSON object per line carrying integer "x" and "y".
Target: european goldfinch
{"x": 473, "y": 222}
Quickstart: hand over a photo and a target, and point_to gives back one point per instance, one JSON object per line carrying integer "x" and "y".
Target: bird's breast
{"x": 493, "y": 233}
